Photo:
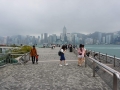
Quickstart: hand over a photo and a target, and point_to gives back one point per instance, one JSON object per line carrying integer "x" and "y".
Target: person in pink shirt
{"x": 81, "y": 53}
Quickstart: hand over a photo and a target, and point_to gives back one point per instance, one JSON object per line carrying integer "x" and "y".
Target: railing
{"x": 107, "y": 58}
{"x": 23, "y": 58}
{"x": 109, "y": 75}
{"x": 14, "y": 58}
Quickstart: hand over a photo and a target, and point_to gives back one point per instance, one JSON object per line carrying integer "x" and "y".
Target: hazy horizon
{"x": 33, "y": 17}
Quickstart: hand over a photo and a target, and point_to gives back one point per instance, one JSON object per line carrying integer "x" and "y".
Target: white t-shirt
{"x": 61, "y": 50}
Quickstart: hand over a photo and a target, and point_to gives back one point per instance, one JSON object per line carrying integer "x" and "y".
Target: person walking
{"x": 37, "y": 59}
{"x": 81, "y": 54}
{"x": 84, "y": 53}
{"x": 33, "y": 54}
{"x": 62, "y": 57}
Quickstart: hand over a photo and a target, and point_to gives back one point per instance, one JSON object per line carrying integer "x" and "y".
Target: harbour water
{"x": 109, "y": 49}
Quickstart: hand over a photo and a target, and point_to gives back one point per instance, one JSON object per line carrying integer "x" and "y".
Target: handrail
{"x": 106, "y": 67}
{"x": 105, "y": 54}
{"x": 24, "y": 60}
{"x": 116, "y": 74}
{"x": 8, "y": 58}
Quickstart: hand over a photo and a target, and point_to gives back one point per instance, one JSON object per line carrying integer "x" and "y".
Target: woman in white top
{"x": 62, "y": 57}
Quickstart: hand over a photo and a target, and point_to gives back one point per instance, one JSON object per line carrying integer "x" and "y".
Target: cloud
{"x": 27, "y": 17}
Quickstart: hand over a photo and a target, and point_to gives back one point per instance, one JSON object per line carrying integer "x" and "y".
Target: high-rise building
{"x": 54, "y": 38}
{"x": 41, "y": 38}
{"x": 5, "y": 40}
{"x": 64, "y": 33}
{"x": 62, "y": 36}
{"x": 100, "y": 37}
{"x": 50, "y": 39}
{"x": 103, "y": 39}
{"x": 64, "y": 30}
{"x": 45, "y": 38}
{"x": 69, "y": 38}
{"x": 88, "y": 41}
{"x": 108, "y": 39}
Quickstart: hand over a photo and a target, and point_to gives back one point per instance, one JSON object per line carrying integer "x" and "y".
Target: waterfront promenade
{"x": 48, "y": 75}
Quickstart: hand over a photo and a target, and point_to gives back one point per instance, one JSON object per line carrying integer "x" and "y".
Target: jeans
{"x": 33, "y": 59}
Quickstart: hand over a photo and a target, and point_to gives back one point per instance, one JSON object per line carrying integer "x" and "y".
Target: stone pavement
{"x": 48, "y": 75}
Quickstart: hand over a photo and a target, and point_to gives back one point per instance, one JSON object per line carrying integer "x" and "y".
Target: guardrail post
{"x": 114, "y": 81}
{"x": 76, "y": 52}
{"x": 93, "y": 69}
{"x": 11, "y": 58}
{"x": 29, "y": 56}
{"x": 106, "y": 57}
{"x": 93, "y": 53}
{"x": 114, "y": 60}
{"x": 99, "y": 56}
{"x": 25, "y": 57}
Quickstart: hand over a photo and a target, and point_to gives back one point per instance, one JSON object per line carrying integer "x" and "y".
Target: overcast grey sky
{"x": 33, "y": 17}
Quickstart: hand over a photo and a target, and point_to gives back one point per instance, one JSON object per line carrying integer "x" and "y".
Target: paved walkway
{"x": 48, "y": 75}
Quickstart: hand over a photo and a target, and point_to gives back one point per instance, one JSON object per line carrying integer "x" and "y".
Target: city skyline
{"x": 32, "y": 17}
{"x": 63, "y": 38}
{"x": 62, "y": 31}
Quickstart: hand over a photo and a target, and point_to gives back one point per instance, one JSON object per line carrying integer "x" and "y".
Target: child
{"x": 37, "y": 59}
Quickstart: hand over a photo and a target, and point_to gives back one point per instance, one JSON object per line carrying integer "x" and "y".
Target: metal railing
{"x": 13, "y": 58}
{"x": 109, "y": 75}
{"x": 105, "y": 58}
{"x": 22, "y": 58}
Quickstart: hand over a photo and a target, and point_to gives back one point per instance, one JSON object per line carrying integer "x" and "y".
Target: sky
{"x": 33, "y": 17}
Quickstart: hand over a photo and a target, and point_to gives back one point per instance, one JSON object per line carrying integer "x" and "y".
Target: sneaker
{"x": 60, "y": 64}
{"x": 66, "y": 64}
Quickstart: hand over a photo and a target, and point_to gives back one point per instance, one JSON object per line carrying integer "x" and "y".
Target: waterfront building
{"x": 100, "y": 37}
{"x": 62, "y": 36}
{"x": 115, "y": 35}
{"x": 58, "y": 37}
{"x": 54, "y": 38}
{"x": 88, "y": 41}
{"x": 5, "y": 41}
{"x": 108, "y": 39}
{"x": 64, "y": 30}
{"x": 103, "y": 40}
{"x": 69, "y": 38}
{"x": 45, "y": 38}
{"x": 76, "y": 39}
{"x": 41, "y": 38}
{"x": 50, "y": 39}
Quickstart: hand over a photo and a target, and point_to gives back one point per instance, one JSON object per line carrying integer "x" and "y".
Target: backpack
{"x": 59, "y": 53}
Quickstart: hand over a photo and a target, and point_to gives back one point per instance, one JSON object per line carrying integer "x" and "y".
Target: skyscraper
{"x": 100, "y": 37}
{"x": 41, "y": 38}
{"x": 45, "y": 38}
{"x": 64, "y": 33}
{"x": 64, "y": 30}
